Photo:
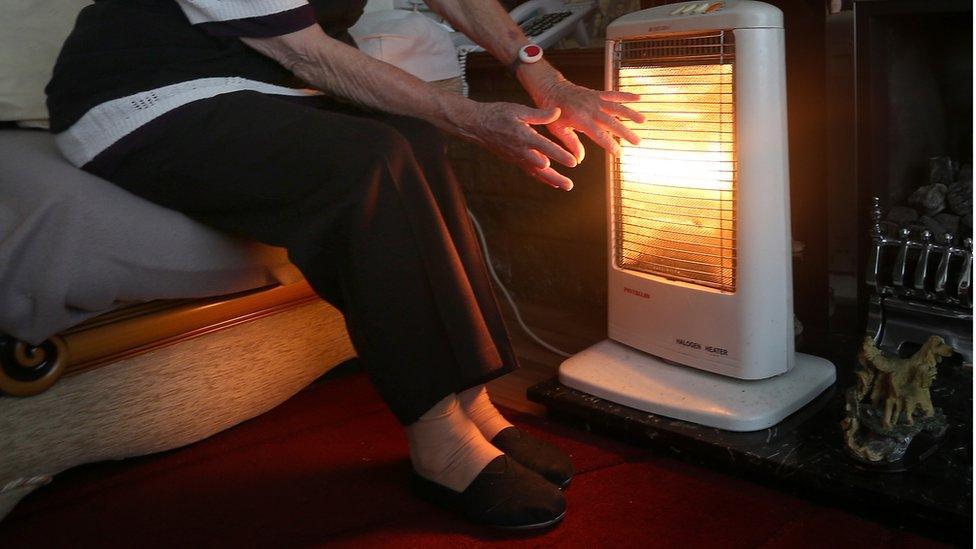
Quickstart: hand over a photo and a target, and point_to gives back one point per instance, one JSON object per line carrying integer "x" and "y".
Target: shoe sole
{"x": 440, "y": 495}
{"x": 525, "y": 527}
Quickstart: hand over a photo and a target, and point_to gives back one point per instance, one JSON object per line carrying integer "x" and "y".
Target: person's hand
{"x": 598, "y": 114}
{"x": 506, "y": 129}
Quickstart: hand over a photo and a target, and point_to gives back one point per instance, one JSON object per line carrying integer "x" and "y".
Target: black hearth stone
{"x": 804, "y": 454}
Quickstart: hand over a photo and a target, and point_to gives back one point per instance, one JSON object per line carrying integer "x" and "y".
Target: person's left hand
{"x": 593, "y": 112}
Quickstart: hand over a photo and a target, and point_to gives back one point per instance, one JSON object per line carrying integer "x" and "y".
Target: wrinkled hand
{"x": 595, "y": 113}
{"x": 506, "y": 129}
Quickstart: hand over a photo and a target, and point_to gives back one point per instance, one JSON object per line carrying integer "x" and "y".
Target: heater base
{"x": 624, "y": 375}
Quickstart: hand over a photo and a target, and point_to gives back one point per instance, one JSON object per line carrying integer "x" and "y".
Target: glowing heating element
{"x": 675, "y": 192}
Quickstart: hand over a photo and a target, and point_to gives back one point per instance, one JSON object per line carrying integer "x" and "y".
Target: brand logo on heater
{"x": 658, "y": 28}
{"x": 638, "y": 293}
{"x": 698, "y": 346}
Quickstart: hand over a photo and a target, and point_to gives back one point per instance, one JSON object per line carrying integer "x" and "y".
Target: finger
{"x": 621, "y": 111}
{"x": 619, "y": 96}
{"x": 603, "y": 139}
{"x": 539, "y": 116}
{"x": 553, "y": 178}
{"x": 550, "y": 149}
{"x": 567, "y": 136}
{"x": 618, "y": 129}
{"x": 534, "y": 160}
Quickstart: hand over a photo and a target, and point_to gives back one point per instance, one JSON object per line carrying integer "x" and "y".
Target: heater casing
{"x": 748, "y": 333}
{"x": 711, "y": 343}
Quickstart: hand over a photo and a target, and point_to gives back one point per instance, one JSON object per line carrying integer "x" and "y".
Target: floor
{"x": 329, "y": 467}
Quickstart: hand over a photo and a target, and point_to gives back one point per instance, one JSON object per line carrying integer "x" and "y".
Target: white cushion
{"x": 410, "y": 41}
{"x": 31, "y": 35}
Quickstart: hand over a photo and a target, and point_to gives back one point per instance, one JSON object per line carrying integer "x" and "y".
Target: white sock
{"x": 448, "y": 448}
{"x": 482, "y": 412}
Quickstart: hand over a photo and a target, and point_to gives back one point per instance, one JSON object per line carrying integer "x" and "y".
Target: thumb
{"x": 539, "y": 116}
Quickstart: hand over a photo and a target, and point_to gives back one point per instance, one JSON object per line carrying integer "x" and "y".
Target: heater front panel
{"x": 675, "y": 193}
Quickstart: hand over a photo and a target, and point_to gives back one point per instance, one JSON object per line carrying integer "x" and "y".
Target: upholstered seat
{"x": 132, "y": 380}
{"x": 73, "y": 246}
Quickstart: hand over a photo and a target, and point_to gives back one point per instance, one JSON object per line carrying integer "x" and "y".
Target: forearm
{"x": 333, "y": 67}
{"x": 488, "y": 25}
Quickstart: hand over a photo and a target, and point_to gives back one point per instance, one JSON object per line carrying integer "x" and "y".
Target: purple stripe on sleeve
{"x": 264, "y": 26}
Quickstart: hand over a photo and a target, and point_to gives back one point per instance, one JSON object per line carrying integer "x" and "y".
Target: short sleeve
{"x": 249, "y": 18}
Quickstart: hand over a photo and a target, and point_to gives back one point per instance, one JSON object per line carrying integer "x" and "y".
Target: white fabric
{"x": 446, "y": 447}
{"x": 31, "y": 35}
{"x": 108, "y": 122}
{"x": 482, "y": 412}
{"x": 202, "y": 11}
{"x": 410, "y": 41}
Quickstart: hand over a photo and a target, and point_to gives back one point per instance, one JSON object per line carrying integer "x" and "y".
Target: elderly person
{"x": 258, "y": 118}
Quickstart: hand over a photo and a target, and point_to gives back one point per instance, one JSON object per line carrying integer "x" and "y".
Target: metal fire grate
{"x": 674, "y": 194}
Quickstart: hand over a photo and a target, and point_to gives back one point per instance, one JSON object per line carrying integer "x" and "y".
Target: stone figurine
{"x": 890, "y": 403}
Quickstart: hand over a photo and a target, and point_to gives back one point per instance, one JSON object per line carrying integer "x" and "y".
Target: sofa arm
{"x": 27, "y": 370}
{"x": 147, "y": 385}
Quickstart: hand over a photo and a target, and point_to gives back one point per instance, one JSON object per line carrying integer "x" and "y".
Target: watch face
{"x": 530, "y": 53}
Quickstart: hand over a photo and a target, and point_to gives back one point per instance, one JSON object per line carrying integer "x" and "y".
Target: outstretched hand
{"x": 506, "y": 129}
{"x": 565, "y": 108}
{"x": 597, "y": 114}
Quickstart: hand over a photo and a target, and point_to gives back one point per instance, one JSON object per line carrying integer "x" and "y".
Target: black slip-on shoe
{"x": 540, "y": 456}
{"x": 503, "y": 495}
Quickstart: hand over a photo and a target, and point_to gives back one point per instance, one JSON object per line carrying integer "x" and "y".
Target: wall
{"x": 549, "y": 246}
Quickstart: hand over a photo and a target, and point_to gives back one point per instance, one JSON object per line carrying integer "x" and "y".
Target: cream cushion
{"x": 31, "y": 35}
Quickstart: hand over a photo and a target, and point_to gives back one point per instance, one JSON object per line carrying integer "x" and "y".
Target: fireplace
{"x": 900, "y": 120}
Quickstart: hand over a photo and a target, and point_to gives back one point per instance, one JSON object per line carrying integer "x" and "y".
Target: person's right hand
{"x": 506, "y": 129}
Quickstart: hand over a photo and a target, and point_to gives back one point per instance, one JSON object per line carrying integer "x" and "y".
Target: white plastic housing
{"x": 746, "y": 334}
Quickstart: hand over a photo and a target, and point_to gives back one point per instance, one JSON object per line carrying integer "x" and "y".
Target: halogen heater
{"x": 700, "y": 290}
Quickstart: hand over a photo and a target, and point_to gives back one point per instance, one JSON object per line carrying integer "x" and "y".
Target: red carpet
{"x": 330, "y": 467}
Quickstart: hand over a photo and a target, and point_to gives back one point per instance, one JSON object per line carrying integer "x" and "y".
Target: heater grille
{"x": 674, "y": 194}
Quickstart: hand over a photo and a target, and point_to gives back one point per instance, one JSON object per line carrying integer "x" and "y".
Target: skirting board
{"x": 624, "y": 375}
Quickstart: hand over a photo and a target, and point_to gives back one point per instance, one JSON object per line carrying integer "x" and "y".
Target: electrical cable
{"x": 508, "y": 296}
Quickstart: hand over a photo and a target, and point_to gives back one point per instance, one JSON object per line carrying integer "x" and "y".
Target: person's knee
{"x": 425, "y": 135}
{"x": 427, "y": 141}
{"x": 388, "y": 146}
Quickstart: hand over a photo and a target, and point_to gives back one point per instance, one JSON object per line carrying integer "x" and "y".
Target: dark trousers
{"x": 369, "y": 210}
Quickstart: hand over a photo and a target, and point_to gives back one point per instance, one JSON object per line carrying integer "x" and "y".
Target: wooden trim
{"x": 132, "y": 331}
{"x": 27, "y": 370}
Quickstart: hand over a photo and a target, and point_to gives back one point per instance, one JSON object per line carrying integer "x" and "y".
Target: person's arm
{"x": 334, "y": 67}
{"x": 595, "y": 113}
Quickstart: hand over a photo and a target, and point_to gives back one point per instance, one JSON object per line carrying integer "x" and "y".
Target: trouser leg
{"x": 350, "y": 201}
{"x": 429, "y": 147}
